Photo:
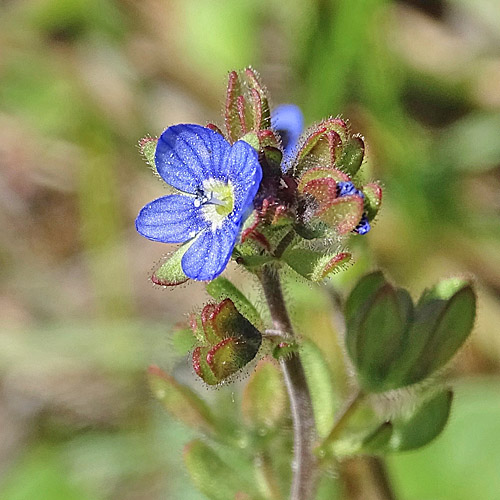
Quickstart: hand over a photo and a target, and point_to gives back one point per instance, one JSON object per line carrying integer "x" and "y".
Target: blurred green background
{"x": 82, "y": 80}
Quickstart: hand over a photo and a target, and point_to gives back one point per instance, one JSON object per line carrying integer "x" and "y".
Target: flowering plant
{"x": 276, "y": 199}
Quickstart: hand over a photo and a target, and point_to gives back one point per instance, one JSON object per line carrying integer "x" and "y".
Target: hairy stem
{"x": 304, "y": 462}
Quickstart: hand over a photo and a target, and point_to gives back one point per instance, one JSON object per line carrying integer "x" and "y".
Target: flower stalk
{"x": 304, "y": 460}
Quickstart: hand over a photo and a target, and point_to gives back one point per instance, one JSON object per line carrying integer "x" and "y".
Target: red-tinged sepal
{"x": 201, "y": 367}
{"x": 147, "y": 146}
{"x": 170, "y": 272}
{"x": 315, "y": 266}
{"x": 215, "y": 128}
{"x": 342, "y": 214}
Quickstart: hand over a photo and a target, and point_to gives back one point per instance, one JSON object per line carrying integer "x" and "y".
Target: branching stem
{"x": 304, "y": 463}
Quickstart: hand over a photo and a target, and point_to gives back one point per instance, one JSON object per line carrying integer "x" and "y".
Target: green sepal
{"x": 324, "y": 190}
{"x": 180, "y": 401}
{"x": 315, "y": 266}
{"x": 148, "y": 149}
{"x": 264, "y": 397}
{"x": 170, "y": 272}
{"x": 353, "y": 152}
{"x": 424, "y": 425}
{"x": 212, "y": 476}
{"x": 373, "y": 199}
{"x": 444, "y": 319}
{"x": 252, "y": 139}
{"x": 221, "y": 288}
{"x": 394, "y": 344}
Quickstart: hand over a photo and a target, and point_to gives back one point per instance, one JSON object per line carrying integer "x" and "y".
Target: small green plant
{"x": 278, "y": 201}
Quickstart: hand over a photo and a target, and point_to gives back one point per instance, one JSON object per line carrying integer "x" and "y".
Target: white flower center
{"x": 216, "y": 200}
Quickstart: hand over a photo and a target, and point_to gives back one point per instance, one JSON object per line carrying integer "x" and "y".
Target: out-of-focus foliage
{"x": 81, "y": 81}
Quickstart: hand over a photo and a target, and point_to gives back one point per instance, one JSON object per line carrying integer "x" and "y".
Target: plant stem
{"x": 381, "y": 477}
{"x": 304, "y": 461}
{"x": 366, "y": 477}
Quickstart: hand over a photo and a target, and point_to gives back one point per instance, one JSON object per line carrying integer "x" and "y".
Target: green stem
{"x": 305, "y": 472}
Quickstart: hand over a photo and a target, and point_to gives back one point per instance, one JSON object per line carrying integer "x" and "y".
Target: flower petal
{"x": 288, "y": 121}
{"x": 188, "y": 154}
{"x": 170, "y": 219}
{"x": 245, "y": 174}
{"x": 209, "y": 254}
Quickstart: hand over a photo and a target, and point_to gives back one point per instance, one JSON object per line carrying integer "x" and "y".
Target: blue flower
{"x": 288, "y": 121}
{"x": 217, "y": 183}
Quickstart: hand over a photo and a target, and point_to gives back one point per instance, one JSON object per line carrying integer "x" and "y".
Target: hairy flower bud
{"x": 230, "y": 342}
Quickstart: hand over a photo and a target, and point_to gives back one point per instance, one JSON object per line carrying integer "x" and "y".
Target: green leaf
{"x": 180, "y": 401}
{"x": 454, "y": 323}
{"x": 424, "y": 425}
{"x": 364, "y": 290}
{"x": 443, "y": 320}
{"x": 375, "y": 336}
{"x": 211, "y": 475}
{"x": 221, "y": 288}
{"x": 264, "y": 397}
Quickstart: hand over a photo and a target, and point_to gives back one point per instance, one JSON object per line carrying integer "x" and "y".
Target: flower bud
{"x": 247, "y": 107}
{"x": 230, "y": 342}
